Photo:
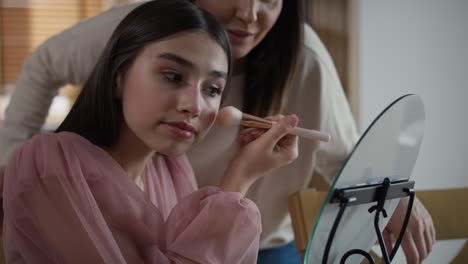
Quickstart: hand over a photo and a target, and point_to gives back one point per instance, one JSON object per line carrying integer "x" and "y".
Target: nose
{"x": 247, "y": 11}
{"x": 189, "y": 101}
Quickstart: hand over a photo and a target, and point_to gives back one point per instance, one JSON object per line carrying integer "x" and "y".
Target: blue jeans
{"x": 286, "y": 254}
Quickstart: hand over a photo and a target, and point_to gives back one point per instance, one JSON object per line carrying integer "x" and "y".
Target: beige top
{"x": 316, "y": 97}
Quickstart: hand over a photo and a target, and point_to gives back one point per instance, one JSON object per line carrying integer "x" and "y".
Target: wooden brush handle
{"x": 257, "y": 122}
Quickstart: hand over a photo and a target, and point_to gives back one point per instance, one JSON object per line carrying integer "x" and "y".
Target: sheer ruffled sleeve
{"x": 66, "y": 202}
{"x": 212, "y": 226}
{"x": 48, "y": 217}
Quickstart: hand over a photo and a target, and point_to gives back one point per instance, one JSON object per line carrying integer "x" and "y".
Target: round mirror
{"x": 387, "y": 149}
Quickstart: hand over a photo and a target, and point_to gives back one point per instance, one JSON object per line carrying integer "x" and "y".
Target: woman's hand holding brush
{"x": 261, "y": 152}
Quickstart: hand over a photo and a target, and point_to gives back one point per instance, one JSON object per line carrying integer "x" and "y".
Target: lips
{"x": 238, "y": 37}
{"x": 240, "y": 33}
{"x": 181, "y": 130}
{"x": 183, "y": 126}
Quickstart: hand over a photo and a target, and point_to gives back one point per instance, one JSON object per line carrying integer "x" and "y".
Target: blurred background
{"x": 382, "y": 50}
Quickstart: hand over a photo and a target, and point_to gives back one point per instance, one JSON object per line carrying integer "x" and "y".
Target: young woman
{"x": 112, "y": 184}
{"x": 269, "y": 77}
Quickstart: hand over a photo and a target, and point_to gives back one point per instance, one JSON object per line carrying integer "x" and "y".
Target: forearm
{"x": 28, "y": 107}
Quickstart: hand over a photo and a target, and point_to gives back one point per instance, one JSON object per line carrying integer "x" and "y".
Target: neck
{"x": 131, "y": 154}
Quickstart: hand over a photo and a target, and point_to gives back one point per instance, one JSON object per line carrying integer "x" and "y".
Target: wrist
{"x": 234, "y": 187}
{"x": 234, "y": 180}
{"x": 234, "y": 183}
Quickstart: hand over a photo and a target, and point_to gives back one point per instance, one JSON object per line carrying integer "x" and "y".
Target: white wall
{"x": 419, "y": 46}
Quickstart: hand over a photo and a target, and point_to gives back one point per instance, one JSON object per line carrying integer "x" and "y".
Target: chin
{"x": 173, "y": 151}
{"x": 239, "y": 53}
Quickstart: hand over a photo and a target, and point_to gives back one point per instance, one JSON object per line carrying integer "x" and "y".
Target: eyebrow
{"x": 188, "y": 64}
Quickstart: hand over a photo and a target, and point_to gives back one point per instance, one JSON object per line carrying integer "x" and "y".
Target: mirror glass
{"x": 388, "y": 148}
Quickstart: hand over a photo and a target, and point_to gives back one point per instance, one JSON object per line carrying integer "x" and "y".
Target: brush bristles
{"x": 253, "y": 121}
{"x": 229, "y": 116}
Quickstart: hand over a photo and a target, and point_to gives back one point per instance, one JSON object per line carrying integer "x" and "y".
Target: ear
{"x": 119, "y": 85}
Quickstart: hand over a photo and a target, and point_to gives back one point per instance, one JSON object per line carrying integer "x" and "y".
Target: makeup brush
{"x": 231, "y": 116}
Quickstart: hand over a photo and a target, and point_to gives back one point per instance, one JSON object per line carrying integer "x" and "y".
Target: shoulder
{"x": 311, "y": 39}
{"x": 40, "y": 144}
{"x": 314, "y": 49}
{"x": 315, "y": 66}
{"x": 47, "y": 150}
{"x": 50, "y": 142}
{"x": 39, "y": 162}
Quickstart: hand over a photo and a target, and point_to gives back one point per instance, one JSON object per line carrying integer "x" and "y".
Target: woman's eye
{"x": 213, "y": 91}
{"x": 173, "y": 76}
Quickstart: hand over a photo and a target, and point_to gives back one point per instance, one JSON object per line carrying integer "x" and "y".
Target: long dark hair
{"x": 97, "y": 113}
{"x": 272, "y": 63}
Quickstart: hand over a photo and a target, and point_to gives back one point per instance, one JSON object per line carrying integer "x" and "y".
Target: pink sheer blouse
{"x": 67, "y": 201}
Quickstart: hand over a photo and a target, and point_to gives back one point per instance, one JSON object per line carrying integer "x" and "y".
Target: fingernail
{"x": 292, "y": 120}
